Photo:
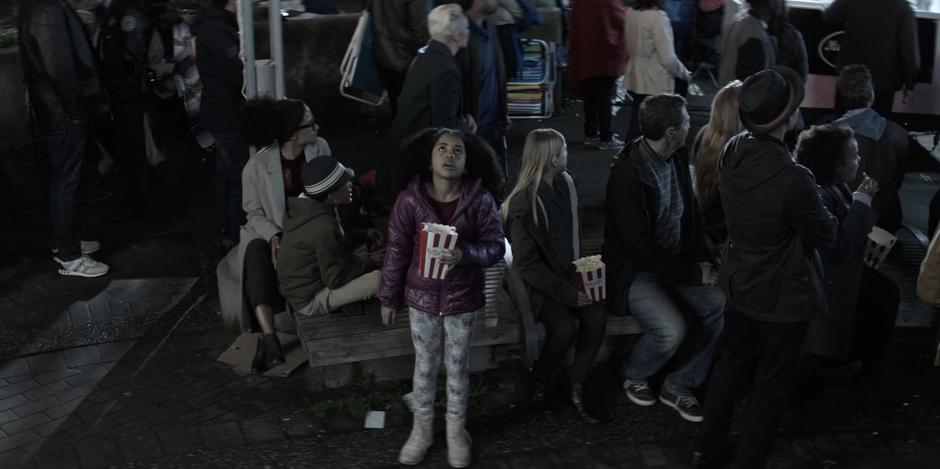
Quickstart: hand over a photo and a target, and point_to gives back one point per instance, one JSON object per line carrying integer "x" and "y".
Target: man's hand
{"x": 709, "y": 274}
{"x": 906, "y": 96}
{"x": 275, "y": 247}
{"x": 583, "y": 299}
{"x": 452, "y": 257}
{"x": 388, "y": 315}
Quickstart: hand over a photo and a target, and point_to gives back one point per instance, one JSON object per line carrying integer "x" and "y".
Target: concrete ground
{"x": 120, "y": 371}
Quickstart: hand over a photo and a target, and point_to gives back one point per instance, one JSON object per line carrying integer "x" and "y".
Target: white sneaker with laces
{"x": 87, "y": 247}
{"x": 83, "y": 266}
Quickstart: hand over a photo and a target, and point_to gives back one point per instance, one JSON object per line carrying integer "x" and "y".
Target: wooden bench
{"x": 505, "y": 329}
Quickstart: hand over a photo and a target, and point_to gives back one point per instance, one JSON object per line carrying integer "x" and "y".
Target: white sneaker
{"x": 87, "y": 247}
{"x": 84, "y": 266}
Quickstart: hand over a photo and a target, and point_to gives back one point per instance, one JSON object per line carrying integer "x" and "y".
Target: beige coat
{"x": 653, "y": 65}
{"x": 264, "y": 202}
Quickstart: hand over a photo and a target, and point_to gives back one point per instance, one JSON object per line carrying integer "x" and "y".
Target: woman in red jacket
{"x": 456, "y": 178}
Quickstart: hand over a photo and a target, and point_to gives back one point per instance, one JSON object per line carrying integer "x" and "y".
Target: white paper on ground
{"x": 375, "y": 419}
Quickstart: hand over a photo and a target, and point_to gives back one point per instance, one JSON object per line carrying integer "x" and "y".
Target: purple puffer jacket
{"x": 479, "y": 235}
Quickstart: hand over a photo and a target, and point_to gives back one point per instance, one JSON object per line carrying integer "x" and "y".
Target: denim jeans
{"x": 666, "y": 311}
{"x": 231, "y": 155}
{"x": 65, "y": 153}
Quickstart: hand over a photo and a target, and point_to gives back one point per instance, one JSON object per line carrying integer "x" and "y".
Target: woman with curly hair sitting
{"x": 455, "y": 181}
{"x": 286, "y": 132}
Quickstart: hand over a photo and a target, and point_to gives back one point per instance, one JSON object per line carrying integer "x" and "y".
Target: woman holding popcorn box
{"x": 541, "y": 215}
{"x": 443, "y": 230}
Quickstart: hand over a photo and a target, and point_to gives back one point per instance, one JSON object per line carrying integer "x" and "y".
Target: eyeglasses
{"x": 310, "y": 125}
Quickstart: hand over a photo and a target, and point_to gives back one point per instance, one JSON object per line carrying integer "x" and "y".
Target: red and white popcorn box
{"x": 436, "y": 240}
{"x": 592, "y": 277}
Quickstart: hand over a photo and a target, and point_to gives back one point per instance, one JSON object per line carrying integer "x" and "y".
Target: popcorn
{"x": 436, "y": 240}
{"x": 592, "y": 278}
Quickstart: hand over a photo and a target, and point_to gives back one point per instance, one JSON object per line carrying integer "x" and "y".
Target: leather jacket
{"x": 479, "y": 235}
{"x": 58, "y": 66}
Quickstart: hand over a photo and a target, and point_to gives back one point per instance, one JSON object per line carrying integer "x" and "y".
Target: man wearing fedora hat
{"x": 770, "y": 272}
{"x": 316, "y": 270}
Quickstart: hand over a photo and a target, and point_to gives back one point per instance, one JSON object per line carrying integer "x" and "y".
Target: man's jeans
{"x": 65, "y": 153}
{"x": 231, "y": 155}
{"x": 668, "y": 312}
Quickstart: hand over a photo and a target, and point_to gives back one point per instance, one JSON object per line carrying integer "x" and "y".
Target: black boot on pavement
{"x": 267, "y": 353}
{"x": 577, "y": 399}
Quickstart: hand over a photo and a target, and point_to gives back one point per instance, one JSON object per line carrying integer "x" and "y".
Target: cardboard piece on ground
{"x": 242, "y": 351}
{"x": 375, "y": 419}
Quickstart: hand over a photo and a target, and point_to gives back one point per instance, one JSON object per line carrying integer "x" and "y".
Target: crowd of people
{"x": 741, "y": 258}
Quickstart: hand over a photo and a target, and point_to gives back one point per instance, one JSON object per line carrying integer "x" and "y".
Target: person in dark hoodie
{"x": 770, "y": 272}
{"x": 317, "y": 271}
{"x": 882, "y": 144}
{"x": 220, "y": 69}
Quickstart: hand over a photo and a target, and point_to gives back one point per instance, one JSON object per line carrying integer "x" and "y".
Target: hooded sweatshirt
{"x": 771, "y": 269}
{"x": 314, "y": 254}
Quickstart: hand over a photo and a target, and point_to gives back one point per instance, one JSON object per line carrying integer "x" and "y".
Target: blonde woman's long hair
{"x": 723, "y": 124}
{"x": 541, "y": 145}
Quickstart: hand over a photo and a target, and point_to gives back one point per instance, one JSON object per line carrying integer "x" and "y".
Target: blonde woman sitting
{"x": 541, "y": 216}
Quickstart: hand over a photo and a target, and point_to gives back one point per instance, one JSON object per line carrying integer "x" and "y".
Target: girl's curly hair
{"x": 414, "y": 157}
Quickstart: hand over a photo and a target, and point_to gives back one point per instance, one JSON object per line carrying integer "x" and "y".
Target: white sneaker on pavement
{"x": 83, "y": 266}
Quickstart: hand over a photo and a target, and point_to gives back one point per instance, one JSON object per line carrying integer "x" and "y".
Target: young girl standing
{"x": 455, "y": 182}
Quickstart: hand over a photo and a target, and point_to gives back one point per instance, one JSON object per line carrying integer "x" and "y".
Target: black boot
{"x": 267, "y": 353}
{"x": 577, "y": 399}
